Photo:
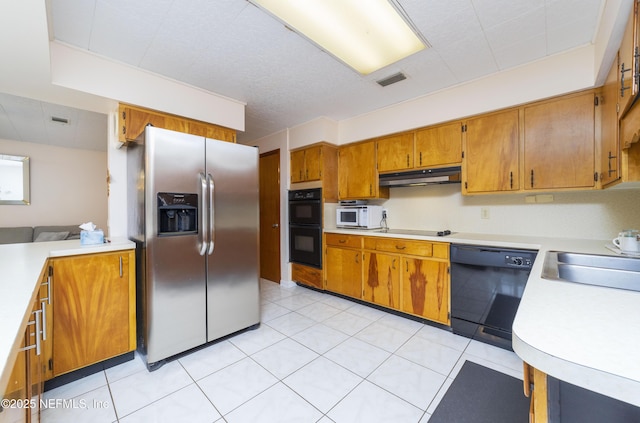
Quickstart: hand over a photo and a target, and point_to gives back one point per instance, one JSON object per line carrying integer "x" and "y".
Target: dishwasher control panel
{"x": 522, "y": 261}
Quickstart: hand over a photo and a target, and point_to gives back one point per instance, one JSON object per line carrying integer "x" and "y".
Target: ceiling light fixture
{"x": 366, "y": 35}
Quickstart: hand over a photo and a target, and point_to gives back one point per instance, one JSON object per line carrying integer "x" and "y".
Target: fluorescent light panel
{"x": 366, "y": 35}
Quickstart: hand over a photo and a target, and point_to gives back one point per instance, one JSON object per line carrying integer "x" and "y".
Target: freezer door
{"x": 175, "y": 271}
{"x": 233, "y": 301}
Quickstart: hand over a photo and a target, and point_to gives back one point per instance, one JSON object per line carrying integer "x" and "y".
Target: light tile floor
{"x": 315, "y": 358}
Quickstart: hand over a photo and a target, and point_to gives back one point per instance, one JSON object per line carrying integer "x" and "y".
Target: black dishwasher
{"x": 486, "y": 286}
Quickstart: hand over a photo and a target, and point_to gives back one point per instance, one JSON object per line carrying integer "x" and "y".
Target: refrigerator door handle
{"x": 212, "y": 226}
{"x": 203, "y": 215}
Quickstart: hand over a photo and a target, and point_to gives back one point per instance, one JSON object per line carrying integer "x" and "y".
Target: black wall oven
{"x": 305, "y": 227}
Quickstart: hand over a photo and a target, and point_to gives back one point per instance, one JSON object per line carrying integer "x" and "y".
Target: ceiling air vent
{"x": 396, "y": 77}
{"x": 61, "y": 121}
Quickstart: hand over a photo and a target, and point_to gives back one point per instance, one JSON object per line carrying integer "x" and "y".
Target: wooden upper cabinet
{"x": 133, "y": 120}
{"x": 357, "y": 173}
{"x": 298, "y": 170}
{"x": 626, "y": 64}
{"x": 395, "y": 153}
{"x": 491, "y": 153}
{"x": 439, "y": 145}
{"x": 306, "y": 164}
{"x": 559, "y": 143}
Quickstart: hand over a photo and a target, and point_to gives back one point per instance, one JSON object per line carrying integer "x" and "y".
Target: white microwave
{"x": 364, "y": 217}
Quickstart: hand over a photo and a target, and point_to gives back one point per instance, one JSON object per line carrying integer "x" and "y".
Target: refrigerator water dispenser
{"x": 177, "y": 213}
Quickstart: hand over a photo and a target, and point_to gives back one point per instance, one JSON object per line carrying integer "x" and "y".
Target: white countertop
{"x": 20, "y": 268}
{"x": 585, "y": 335}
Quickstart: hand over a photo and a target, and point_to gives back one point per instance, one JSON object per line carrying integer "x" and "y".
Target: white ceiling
{"x": 232, "y": 48}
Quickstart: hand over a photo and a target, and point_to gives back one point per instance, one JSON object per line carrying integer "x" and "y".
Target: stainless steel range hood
{"x": 412, "y": 178}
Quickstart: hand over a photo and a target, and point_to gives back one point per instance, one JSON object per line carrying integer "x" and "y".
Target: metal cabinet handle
{"x": 36, "y": 322}
{"x": 393, "y": 264}
{"x": 407, "y": 160}
{"x": 342, "y": 241}
{"x": 120, "y": 267}
{"x": 357, "y": 254}
{"x": 531, "y": 178}
{"x": 275, "y": 225}
{"x": 401, "y": 247}
{"x": 622, "y": 87}
{"x": 511, "y": 180}
{"x": 43, "y": 306}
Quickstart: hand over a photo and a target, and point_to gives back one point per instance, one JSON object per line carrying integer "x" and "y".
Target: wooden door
{"x": 297, "y": 166}
{"x": 439, "y": 146}
{"x": 425, "y": 288}
{"x": 609, "y": 139}
{"x": 91, "y": 294}
{"x": 357, "y": 174}
{"x": 625, "y": 69}
{"x": 344, "y": 271}
{"x": 395, "y": 152}
{"x": 313, "y": 163}
{"x": 381, "y": 279}
{"x": 270, "y": 216}
{"x": 491, "y": 153}
{"x": 559, "y": 145}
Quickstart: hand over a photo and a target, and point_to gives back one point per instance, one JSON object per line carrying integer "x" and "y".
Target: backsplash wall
{"x": 585, "y": 214}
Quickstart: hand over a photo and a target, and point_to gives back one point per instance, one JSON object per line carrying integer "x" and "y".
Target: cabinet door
{"x": 357, "y": 174}
{"x": 381, "y": 282}
{"x": 626, "y": 65}
{"x": 212, "y": 131}
{"x": 344, "y": 271}
{"x": 609, "y": 139}
{"x": 395, "y": 152}
{"x": 425, "y": 288}
{"x": 313, "y": 163}
{"x": 559, "y": 143}
{"x": 92, "y": 314}
{"x": 491, "y": 153}
{"x": 17, "y": 387}
{"x": 297, "y": 166}
{"x": 439, "y": 146}
{"x": 136, "y": 120}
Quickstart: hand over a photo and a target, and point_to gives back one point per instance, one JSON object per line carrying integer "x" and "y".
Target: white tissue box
{"x": 91, "y": 237}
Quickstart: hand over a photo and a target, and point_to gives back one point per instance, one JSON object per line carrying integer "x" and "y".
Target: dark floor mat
{"x": 481, "y": 395}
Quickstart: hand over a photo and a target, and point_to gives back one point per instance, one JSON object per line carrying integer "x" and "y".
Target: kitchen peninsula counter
{"x": 585, "y": 335}
{"x": 20, "y": 269}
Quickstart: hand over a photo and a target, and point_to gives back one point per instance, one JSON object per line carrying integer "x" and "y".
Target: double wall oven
{"x": 305, "y": 227}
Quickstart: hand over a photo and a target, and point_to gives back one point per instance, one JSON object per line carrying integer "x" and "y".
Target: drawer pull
{"x": 342, "y": 241}
{"x": 401, "y": 247}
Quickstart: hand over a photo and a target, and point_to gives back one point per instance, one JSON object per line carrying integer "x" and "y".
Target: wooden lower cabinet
{"x": 344, "y": 271}
{"x": 94, "y": 298}
{"x": 381, "y": 283}
{"x": 535, "y": 388}
{"x": 307, "y": 275}
{"x": 26, "y": 383}
{"x": 425, "y": 288}
{"x": 410, "y": 276}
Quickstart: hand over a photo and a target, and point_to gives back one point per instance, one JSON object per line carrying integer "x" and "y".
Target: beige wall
{"x": 68, "y": 186}
{"x": 585, "y": 214}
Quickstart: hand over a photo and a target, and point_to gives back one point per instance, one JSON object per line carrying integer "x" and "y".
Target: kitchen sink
{"x": 591, "y": 269}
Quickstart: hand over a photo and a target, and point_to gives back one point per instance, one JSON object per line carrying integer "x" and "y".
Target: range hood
{"x": 412, "y": 178}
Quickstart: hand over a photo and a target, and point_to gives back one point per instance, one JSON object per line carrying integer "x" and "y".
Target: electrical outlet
{"x": 484, "y": 213}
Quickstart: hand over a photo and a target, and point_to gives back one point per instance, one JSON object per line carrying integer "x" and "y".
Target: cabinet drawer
{"x": 402, "y": 246}
{"x": 340, "y": 240}
{"x": 307, "y": 275}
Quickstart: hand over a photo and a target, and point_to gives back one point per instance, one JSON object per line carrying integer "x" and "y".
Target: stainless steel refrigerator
{"x": 195, "y": 219}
